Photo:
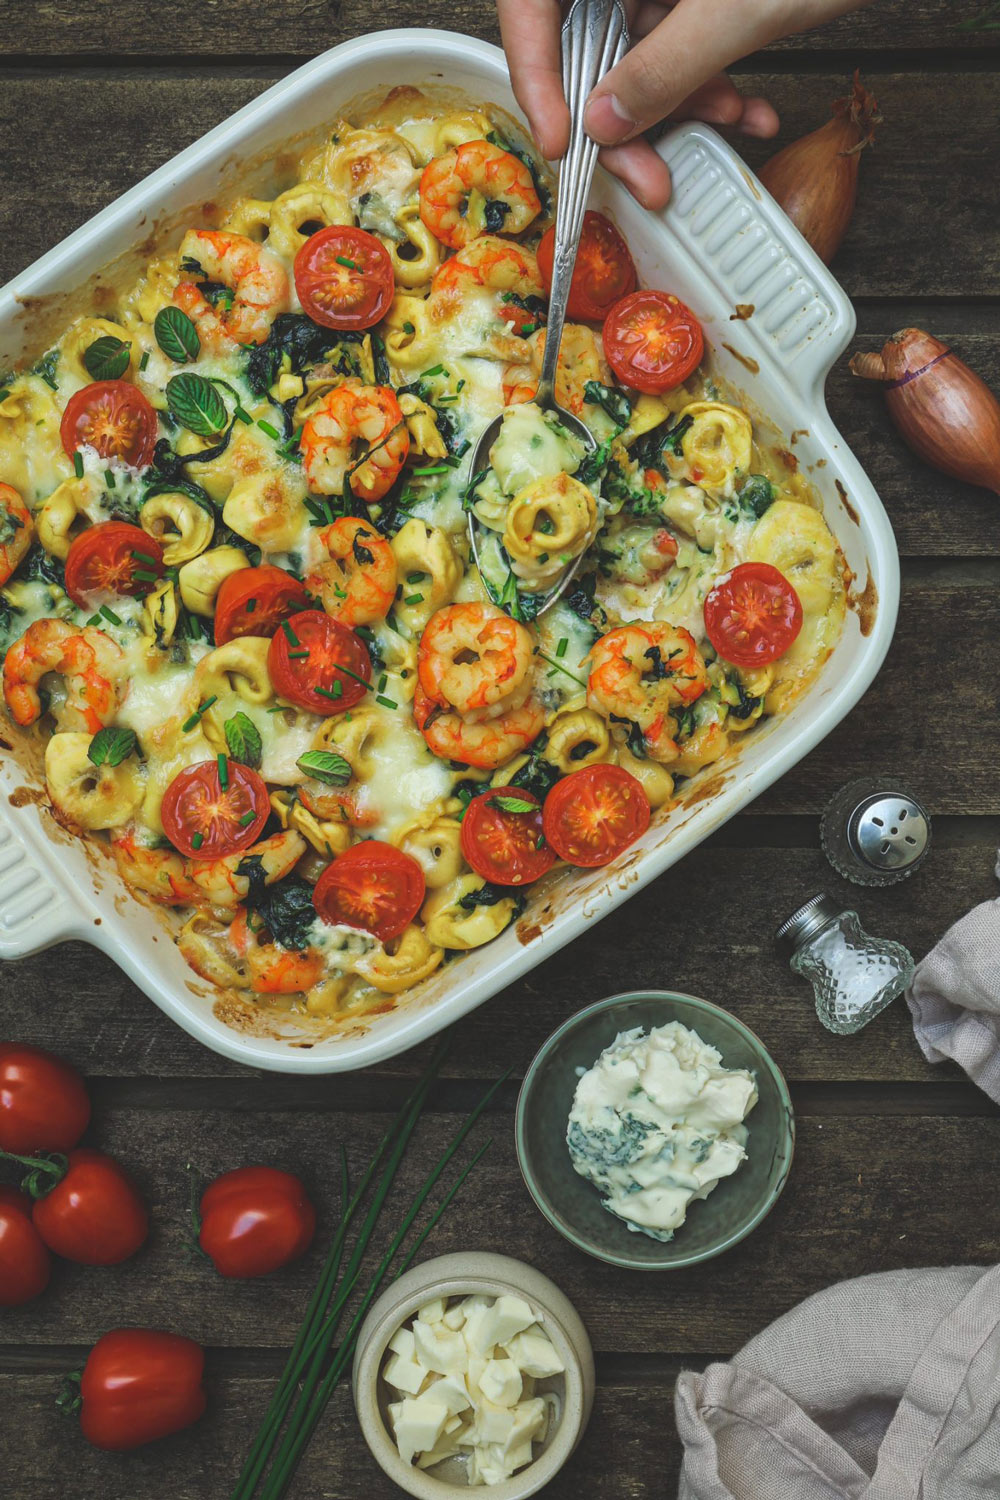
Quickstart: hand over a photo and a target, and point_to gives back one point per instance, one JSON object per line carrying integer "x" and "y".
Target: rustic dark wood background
{"x": 896, "y": 1162}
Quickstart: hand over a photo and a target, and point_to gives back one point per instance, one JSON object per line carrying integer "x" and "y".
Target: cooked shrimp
{"x": 456, "y": 188}
{"x": 580, "y": 359}
{"x": 258, "y": 280}
{"x": 641, "y": 673}
{"x": 356, "y": 434}
{"x": 218, "y": 882}
{"x": 88, "y": 661}
{"x": 473, "y": 656}
{"x": 477, "y": 739}
{"x": 358, "y": 582}
{"x": 159, "y": 873}
{"x": 17, "y": 530}
{"x": 273, "y": 970}
{"x": 509, "y": 270}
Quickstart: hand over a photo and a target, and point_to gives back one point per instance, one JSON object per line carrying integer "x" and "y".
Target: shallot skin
{"x": 944, "y": 411}
{"x": 815, "y": 179}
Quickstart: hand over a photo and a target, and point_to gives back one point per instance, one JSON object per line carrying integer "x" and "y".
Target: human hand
{"x": 672, "y": 71}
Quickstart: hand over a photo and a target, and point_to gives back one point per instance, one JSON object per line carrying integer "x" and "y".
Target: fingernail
{"x": 606, "y": 120}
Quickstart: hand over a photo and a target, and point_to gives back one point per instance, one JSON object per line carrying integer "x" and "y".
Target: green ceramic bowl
{"x": 573, "y": 1205}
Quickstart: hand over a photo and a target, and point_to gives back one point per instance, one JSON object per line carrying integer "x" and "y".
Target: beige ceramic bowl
{"x": 461, "y": 1276}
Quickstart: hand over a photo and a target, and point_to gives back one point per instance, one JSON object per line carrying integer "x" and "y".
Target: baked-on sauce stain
{"x": 744, "y": 359}
{"x": 27, "y": 796}
{"x": 865, "y": 605}
{"x": 846, "y": 503}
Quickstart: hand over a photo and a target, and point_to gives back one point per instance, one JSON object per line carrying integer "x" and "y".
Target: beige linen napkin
{"x": 882, "y": 1388}
{"x": 955, "y": 997}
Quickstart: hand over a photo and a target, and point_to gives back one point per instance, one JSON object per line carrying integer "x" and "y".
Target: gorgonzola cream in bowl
{"x": 720, "y": 1075}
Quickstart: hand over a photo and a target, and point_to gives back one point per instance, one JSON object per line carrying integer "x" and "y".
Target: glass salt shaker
{"x": 854, "y": 975}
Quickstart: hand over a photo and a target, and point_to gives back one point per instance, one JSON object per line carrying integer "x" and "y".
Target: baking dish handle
{"x": 787, "y": 301}
{"x": 35, "y": 910}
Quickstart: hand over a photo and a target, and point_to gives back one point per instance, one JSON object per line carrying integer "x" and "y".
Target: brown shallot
{"x": 949, "y": 417}
{"x": 815, "y": 179}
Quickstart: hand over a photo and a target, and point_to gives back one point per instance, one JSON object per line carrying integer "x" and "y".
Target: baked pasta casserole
{"x": 238, "y": 594}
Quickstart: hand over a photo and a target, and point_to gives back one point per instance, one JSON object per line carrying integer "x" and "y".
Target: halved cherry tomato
{"x": 652, "y": 341}
{"x": 254, "y": 1220}
{"x": 752, "y": 615}
{"x": 94, "y": 1214}
{"x": 43, "y": 1101}
{"x": 106, "y": 558}
{"x": 502, "y": 842}
{"x": 319, "y": 664}
{"x": 604, "y": 270}
{"x": 139, "y": 1385}
{"x": 112, "y": 417}
{"x": 206, "y": 820}
{"x": 344, "y": 277}
{"x": 25, "y": 1263}
{"x": 373, "y": 886}
{"x": 594, "y": 813}
{"x": 254, "y": 601}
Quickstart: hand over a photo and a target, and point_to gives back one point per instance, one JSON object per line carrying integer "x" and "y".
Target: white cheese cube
{"x": 500, "y": 1382}
{"x": 432, "y": 1312}
{"x": 487, "y": 1465}
{"x": 529, "y": 1421}
{"x": 401, "y": 1343}
{"x": 405, "y": 1374}
{"x": 488, "y": 1326}
{"x": 534, "y": 1354}
{"x": 454, "y": 1317}
{"x": 440, "y": 1349}
{"x": 494, "y": 1424}
{"x": 445, "y": 1447}
{"x": 419, "y": 1425}
{"x": 451, "y": 1390}
{"x": 517, "y": 1458}
{"x": 474, "y": 1374}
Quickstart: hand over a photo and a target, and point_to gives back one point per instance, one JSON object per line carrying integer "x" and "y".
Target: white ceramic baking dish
{"x": 725, "y": 248}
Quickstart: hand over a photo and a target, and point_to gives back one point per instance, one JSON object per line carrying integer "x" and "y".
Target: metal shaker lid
{"x": 810, "y": 919}
{"x": 889, "y": 831}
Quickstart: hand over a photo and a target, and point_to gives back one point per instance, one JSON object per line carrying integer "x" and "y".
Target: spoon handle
{"x": 594, "y": 37}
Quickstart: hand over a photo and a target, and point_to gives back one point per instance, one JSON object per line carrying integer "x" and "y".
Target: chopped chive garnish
{"x": 328, "y": 693}
{"x": 382, "y": 682}
{"x": 145, "y": 557}
{"x": 247, "y": 819}
{"x": 109, "y": 614}
{"x": 250, "y": 606}
{"x": 202, "y": 708}
{"x": 561, "y": 648}
{"x": 109, "y": 479}
{"x": 338, "y": 690}
{"x": 385, "y": 702}
{"x": 197, "y": 839}
{"x": 460, "y": 385}
{"x": 267, "y": 427}
{"x": 297, "y": 655}
{"x": 78, "y": 463}
{"x": 434, "y": 370}
{"x": 345, "y": 260}
{"x": 431, "y": 469}
{"x": 408, "y": 328}
{"x": 560, "y": 668}
{"x": 414, "y": 599}
{"x": 290, "y": 633}
{"x": 94, "y": 620}
{"x": 145, "y": 576}
{"x": 414, "y": 577}
{"x": 144, "y": 361}
{"x": 243, "y": 416}
{"x": 223, "y": 771}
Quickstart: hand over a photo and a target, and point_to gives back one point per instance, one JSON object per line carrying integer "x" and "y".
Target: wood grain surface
{"x": 895, "y": 1159}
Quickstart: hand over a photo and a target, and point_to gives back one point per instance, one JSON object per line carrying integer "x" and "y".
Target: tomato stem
{"x": 53, "y": 1166}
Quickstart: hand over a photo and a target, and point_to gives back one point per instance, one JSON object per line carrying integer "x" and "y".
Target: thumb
{"x": 696, "y": 40}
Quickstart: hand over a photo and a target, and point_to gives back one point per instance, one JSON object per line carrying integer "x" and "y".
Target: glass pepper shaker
{"x": 875, "y": 831}
{"x": 854, "y": 975}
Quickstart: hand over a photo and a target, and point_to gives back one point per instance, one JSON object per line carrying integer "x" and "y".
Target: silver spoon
{"x": 594, "y": 37}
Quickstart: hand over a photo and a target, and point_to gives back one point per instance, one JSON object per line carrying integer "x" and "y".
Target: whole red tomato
{"x": 254, "y": 1220}
{"x": 43, "y": 1102}
{"x": 94, "y": 1214}
{"x": 139, "y": 1385}
{"x": 25, "y": 1264}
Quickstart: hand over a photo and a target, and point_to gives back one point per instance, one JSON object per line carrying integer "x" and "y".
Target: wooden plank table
{"x": 895, "y": 1160}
